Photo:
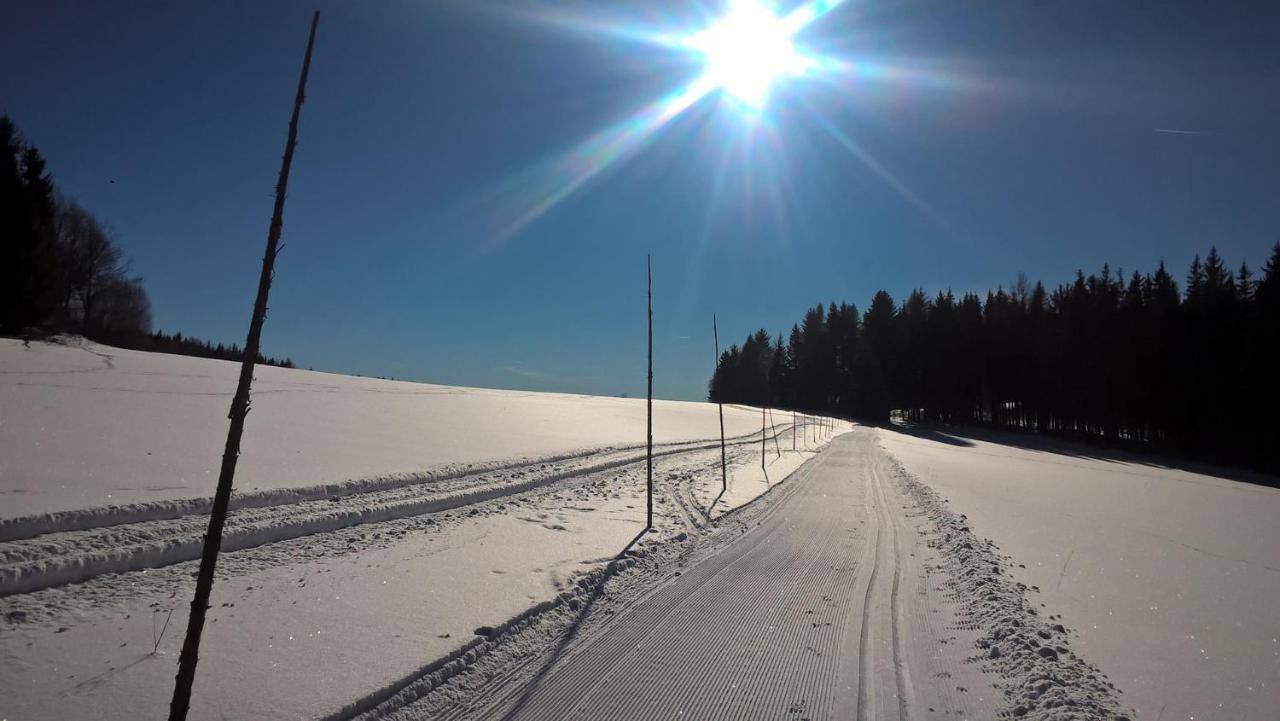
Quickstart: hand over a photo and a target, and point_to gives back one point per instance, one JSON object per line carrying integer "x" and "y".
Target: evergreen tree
{"x": 29, "y": 273}
{"x": 1111, "y": 357}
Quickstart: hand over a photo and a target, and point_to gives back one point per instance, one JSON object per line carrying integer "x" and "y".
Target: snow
{"x": 380, "y": 524}
{"x": 84, "y": 426}
{"x": 1168, "y": 576}
{"x": 470, "y": 507}
{"x": 307, "y": 638}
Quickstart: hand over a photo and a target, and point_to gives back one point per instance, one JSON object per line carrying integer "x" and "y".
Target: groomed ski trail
{"x": 809, "y": 615}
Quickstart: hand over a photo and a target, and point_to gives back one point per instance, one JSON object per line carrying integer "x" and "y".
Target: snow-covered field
{"x": 1170, "y": 578}
{"x": 84, "y": 425}
{"x": 395, "y": 547}
{"x": 380, "y": 523}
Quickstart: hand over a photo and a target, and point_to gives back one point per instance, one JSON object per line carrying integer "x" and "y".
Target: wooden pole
{"x": 793, "y": 431}
{"x": 762, "y": 436}
{"x": 181, "y": 701}
{"x": 649, "y": 453}
{"x": 774, "y": 427}
{"x": 724, "y": 472}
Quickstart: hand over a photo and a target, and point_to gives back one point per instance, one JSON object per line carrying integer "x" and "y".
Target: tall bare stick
{"x": 724, "y": 472}
{"x": 239, "y": 409}
{"x": 763, "y": 436}
{"x": 649, "y": 453}
{"x": 774, "y": 427}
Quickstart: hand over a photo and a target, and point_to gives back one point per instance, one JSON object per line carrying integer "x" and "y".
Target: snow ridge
{"x": 1041, "y": 678}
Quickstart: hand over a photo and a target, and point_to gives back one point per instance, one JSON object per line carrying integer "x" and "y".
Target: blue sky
{"x": 1018, "y": 135}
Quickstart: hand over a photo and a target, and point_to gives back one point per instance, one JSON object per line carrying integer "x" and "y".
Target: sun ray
{"x": 881, "y": 172}
{"x": 574, "y": 168}
{"x": 743, "y": 54}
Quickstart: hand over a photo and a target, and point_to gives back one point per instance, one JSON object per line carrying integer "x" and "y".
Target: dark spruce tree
{"x": 29, "y": 273}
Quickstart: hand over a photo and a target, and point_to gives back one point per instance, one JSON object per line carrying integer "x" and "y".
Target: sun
{"x": 748, "y": 50}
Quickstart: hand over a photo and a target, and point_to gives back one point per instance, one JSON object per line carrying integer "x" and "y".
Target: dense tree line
{"x": 1116, "y": 358}
{"x": 61, "y": 271}
{"x": 160, "y": 342}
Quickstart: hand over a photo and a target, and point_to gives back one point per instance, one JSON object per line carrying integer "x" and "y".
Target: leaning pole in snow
{"x": 724, "y": 473}
{"x": 649, "y": 452}
{"x": 239, "y": 409}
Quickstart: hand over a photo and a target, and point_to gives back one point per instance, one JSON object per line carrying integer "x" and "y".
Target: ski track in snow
{"x": 848, "y": 591}
{"x": 47, "y": 572}
{"x": 826, "y": 598}
{"x": 139, "y": 437}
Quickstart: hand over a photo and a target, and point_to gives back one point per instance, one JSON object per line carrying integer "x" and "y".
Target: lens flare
{"x": 748, "y": 51}
{"x": 743, "y": 55}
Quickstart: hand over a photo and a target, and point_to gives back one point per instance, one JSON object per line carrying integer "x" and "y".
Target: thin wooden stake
{"x": 649, "y": 453}
{"x": 724, "y": 465}
{"x": 774, "y": 427}
{"x": 181, "y": 701}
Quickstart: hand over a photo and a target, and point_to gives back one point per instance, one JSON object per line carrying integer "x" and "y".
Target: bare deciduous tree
{"x": 92, "y": 264}
{"x": 122, "y": 308}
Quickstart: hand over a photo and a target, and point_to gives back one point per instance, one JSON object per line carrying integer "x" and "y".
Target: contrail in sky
{"x": 1175, "y": 131}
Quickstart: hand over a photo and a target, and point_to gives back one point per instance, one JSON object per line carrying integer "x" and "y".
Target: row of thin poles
{"x": 822, "y": 426}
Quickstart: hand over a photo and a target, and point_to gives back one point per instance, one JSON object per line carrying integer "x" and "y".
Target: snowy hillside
{"x": 378, "y": 524}
{"x": 404, "y": 551}
{"x": 85, "y": 425}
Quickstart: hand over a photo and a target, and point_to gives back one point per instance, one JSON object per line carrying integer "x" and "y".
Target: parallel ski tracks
{"x": 72, "y": 556}
{"x": 761, "y": 629}
{"x": 886, "y": 552}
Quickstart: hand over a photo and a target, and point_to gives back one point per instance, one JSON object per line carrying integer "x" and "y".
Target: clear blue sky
{"x": 1020, "y": 136}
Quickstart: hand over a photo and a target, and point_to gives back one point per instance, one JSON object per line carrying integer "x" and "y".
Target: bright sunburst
{"x": 749, "y": 50}
{"x": 744, "y": 53}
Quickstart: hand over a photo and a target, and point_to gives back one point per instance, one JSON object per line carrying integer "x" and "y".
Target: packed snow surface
{"x": 84, "y": 425}
{"x": 1169, "y": 576}
{"x": 327, "y": 595}
{"x": 395, "y": 541}
{"x": 307, "y": 627}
